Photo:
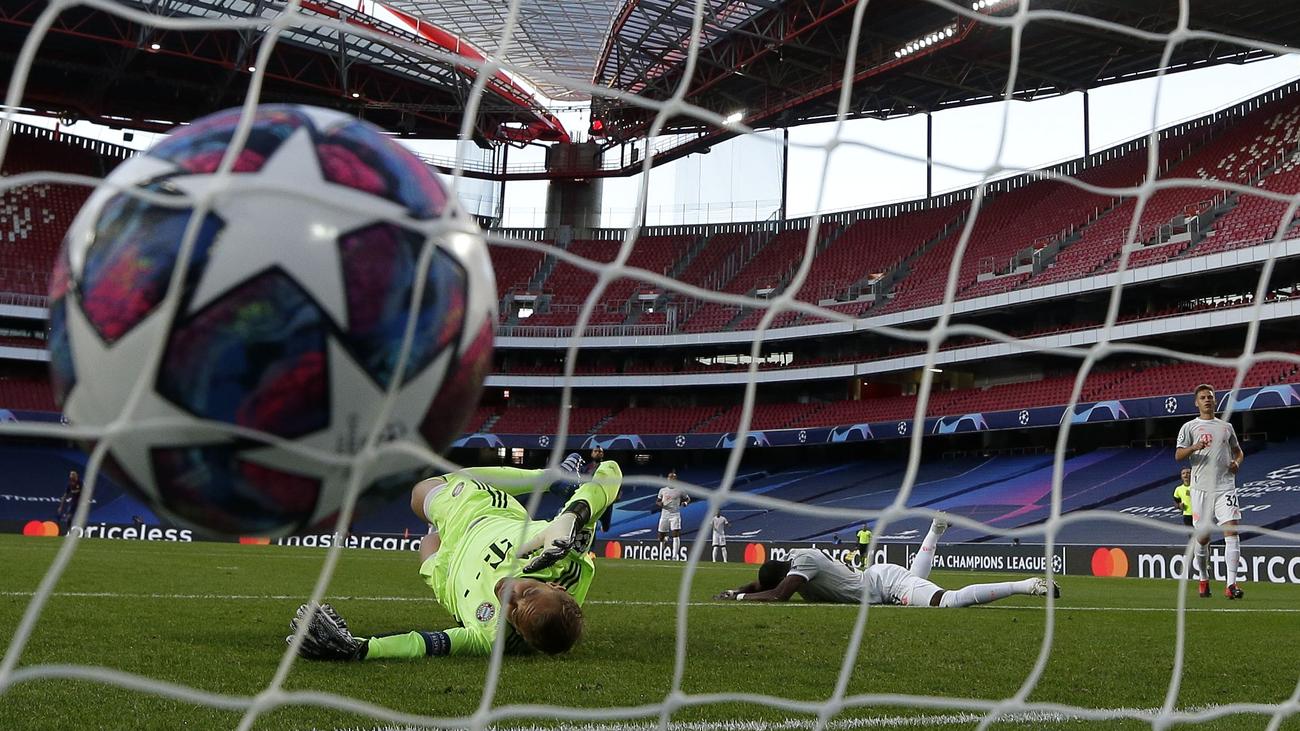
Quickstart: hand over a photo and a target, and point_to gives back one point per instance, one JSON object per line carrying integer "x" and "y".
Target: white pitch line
{"x": 633, "y": 602}
{"x": 929, "y": 720}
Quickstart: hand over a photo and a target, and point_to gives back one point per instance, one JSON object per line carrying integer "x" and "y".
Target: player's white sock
{"x": 985, "y": 593}
{"x": 677, "y": 546}
{"x": 1203, "y": 561}
{"x": 1232, "y": 554}
{"x": 924, "y": 558}
{"x": 715, "y": 554}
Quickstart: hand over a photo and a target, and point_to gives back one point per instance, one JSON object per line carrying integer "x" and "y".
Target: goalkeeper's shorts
{"x": 456, "y": 506}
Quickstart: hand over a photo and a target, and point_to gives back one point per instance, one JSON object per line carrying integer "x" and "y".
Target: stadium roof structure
{"x": 775, "y": 63}
{"x": 557, "y": 38}
{"x": 780, "y": 62}
{"x": 784, "y": 65}
{"x": 413, "y": 77}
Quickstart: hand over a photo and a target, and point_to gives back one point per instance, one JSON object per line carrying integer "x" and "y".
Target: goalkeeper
{"x": 468, "y": 559}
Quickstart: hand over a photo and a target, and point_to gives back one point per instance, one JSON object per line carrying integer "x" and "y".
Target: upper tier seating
{"x": 1010, "y": 225}
{"x": 569, "y": 285}
{"x": 34, "y": 217}
{"x": 1235, "y": 155}
{"x": 1254, "y": 220}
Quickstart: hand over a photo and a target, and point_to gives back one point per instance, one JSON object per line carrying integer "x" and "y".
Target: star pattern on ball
{"x": 355, "y": 397}
{"x": 265, "y": 230}
{"x": 94, "y": 401}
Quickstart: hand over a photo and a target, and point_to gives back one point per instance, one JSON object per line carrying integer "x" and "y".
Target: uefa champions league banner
{"x": 1023, "y": 558}
{"x": 1267, "y": 397}
{"x": 1272, "y": 564}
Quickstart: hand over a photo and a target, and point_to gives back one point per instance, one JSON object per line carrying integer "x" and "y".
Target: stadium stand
{"x": 34, "y": 218}
{"x": 1011, "y": 226}
{"x": 546, "y": 419}
{"x": 1239, "y": 153}
{"x": 712, "y": 268}
{"x": 872, "y": 247}
{"x": 652, "y": 253}
{"x": 659, "y": 420}
{"x": 765, "y": 416}
{"x": 771, "y": 268}
{"x": 565, "y": 289}
{"x": 514, "y": 269}
{"x": 1255, "y": 220}
{"x": 26, "y": 393}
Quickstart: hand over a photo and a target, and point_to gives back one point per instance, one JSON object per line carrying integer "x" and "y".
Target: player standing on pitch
{"x": 817, "y": 578}
{"x": 1210, "y": 446}
{"x": 864, "y": 541}
{"x": 68, "y": 503}
{"x": 720, "y": 524}
{"x": 669, "y": 503}
{"x": 1183, "y": 498}
{"x": 467, "y": 559}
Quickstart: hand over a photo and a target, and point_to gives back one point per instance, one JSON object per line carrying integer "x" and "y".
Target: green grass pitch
{"x": 214, "y": 616}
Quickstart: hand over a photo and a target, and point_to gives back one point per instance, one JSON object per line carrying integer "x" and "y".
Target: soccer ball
{"x": 266, "y": 372}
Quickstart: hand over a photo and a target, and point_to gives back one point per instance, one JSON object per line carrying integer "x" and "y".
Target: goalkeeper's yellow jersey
{"x": 481, "y": 527}
{"x": 1183, "y": 494}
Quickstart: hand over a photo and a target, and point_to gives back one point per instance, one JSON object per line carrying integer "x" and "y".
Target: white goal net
{"x": 844, "y": 705}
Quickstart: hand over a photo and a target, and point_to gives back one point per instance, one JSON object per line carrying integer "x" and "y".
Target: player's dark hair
{"x": 1202, "y": 387}
{"x": 556, "y": 628}
{"x": 771, "y": 573}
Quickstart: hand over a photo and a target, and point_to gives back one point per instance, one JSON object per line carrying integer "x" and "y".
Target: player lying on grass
{"x": 468, "y": 561}
{"x": 817, "y": 578}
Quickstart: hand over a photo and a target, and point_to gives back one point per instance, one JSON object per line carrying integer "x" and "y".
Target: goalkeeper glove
{"x": 327, "y": 635}
{"x": 573, "y": 465}
{"x": 563, "y": 534}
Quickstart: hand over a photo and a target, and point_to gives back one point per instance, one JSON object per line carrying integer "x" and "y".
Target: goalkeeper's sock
{"x": 715, "y": 553}
{"x": 1231, "y": 555}
{"x": 407, "y": 645}
{"x": 924, "y": 558}
{"x": 677, "y": 546}
{"x": 1203, "y": 560}
{"x": 985, "y": 593}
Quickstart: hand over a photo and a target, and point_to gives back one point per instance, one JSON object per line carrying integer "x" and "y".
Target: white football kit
{"x": 831, "y": 581}
{"x": 1214, "y": 487}
{"x": 672, "y": 499}
{"x": 720, "y": 530}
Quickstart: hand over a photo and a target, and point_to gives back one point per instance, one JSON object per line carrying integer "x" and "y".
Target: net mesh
{"x": 982, "y": 712}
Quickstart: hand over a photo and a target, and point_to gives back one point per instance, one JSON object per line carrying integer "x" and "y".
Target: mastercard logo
{"x": 613, "y": 549}
{"x": 254, "y": 541}
{"x": 41, "y": 528}
{"x": 755, "y": 553}
{"x": 1109, "y": 562}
